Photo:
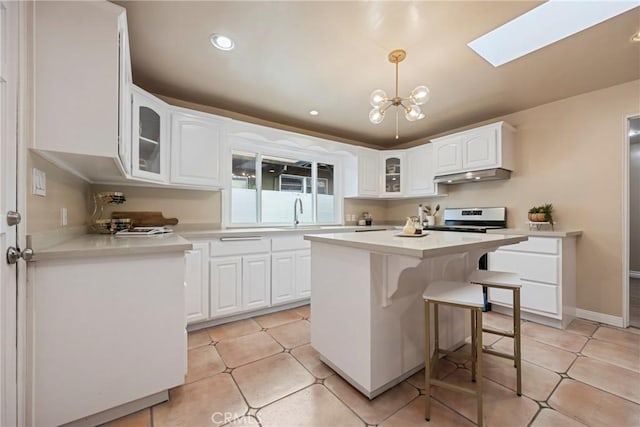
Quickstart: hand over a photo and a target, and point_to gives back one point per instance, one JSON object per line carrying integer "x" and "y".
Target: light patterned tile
{"x": 609, "y": 352}
{"x": 137, "y": 419}
{"x": 540, "y": 354}
{"x": 310, "y": 359}
{"x": 555, "y": 337}
{"x": 270, "y": 379}
{"x": 494, "y": 320}
{"x": 371, "y": 411}
{"x": 246, "y": 349}
{"x": 246, "y": 421}
{"x": 445, "y": 367}
{"x": 614, "y": 379}
{"x": 314, "y": 406}
{"x": 592, "y": 406}
{"x": 413, "y": 415}
{"x": 304, "y": 311}
{"x": 500, "y": 403}
{"x": 278, "y": 318}
{"x": 582, "y": 327}
{"x": 549, "y": 418}
{"x": 202, "y": 403}
{"x": 537, "y": 382}
{"x": 203, "y": 362}
{"x": 291, "y": 335}
{"x": 198, "y": 339}
{"x": 618, "y": 336}
{"x": 234, "y": 329}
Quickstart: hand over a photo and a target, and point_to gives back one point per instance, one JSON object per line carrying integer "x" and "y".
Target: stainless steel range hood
{"x": 475, "y": 176}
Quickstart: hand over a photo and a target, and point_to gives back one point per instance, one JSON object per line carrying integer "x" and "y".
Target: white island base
{"x": 367, "y": 307}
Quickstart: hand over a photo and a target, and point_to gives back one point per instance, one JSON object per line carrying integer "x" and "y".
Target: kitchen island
{"x": 367, "y": 306}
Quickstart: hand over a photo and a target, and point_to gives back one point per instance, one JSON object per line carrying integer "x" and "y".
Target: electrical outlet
{"x": 39, "y": 182}
{"x": 63, "y": 217}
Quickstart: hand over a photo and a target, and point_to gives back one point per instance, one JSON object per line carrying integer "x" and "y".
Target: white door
{"x": 8, "y": 202}
{"x": 256, "y": 281}
{"x": 197, "y": 280}
{"x": 303, "y": 274}
{"x": 225, "y": 277}
{"x": 283, "y": 286}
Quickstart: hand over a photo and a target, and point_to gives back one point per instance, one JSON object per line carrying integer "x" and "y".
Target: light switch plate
{"x": 39, "y": 183}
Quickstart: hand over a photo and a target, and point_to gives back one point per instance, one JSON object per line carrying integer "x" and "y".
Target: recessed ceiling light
{"x": 548, "y": 23}
{"x": 636, "y": 37}
{"x": 221, "y": 42}
{"x": 313, "y": 113}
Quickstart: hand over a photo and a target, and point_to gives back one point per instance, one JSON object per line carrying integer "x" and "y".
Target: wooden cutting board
{"x": 145, "y": 219}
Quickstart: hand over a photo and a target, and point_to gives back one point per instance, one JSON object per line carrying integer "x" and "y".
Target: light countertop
{"x": 435, "y": 243}
{"x": 536, "y": 233}
{"x": 98, "y": 245}
{"x": 203, "y": 232}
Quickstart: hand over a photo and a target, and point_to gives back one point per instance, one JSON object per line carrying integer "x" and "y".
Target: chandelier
{"x": 381, "y": 102}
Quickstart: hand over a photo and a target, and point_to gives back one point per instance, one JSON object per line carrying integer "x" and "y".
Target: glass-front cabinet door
{"x": 392, "y": 168}
{"x": 150, "y": 141}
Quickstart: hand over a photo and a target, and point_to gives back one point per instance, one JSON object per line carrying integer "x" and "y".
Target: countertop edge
{"x": 92, "y": 245}
{"x": 416, "y": 253}
{"x": 536, "y": 233}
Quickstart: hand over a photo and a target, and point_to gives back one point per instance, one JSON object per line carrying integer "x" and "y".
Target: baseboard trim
{"x": 634, "y": 274}
{"x": 599, "y": 317}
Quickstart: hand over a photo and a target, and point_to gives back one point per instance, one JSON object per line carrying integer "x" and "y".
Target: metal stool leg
{"x": 478, "y": 361}
{"x": 474, "y": 355}
{"x": 427, "y": 361}
{"x": 436, "y": 339}
{"x": 516, "y": 340}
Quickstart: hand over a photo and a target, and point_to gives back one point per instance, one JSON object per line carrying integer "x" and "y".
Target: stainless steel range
{"x": 472, "y": 220}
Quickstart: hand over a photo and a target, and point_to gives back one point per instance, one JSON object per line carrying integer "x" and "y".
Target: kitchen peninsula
{"x": 367, "y": 306}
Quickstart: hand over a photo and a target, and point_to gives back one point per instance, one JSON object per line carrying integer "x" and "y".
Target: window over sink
{"x": 265, "y": 186}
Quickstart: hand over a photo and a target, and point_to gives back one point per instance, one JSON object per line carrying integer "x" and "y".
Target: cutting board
{"x": 145, "y": 219}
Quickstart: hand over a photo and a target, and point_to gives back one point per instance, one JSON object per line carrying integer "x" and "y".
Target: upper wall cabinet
{"x": 81, "y": 67}
{"x": 420, "y": 172}
{"x": 485, "y": 147}
{"x": 392, "y": 173}
{"x": 197, "y": 144}
{"x": 368, "y": 172}
{"x": 150, "y": 142}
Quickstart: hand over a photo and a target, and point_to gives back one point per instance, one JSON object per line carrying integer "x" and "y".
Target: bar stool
{"x": 462, "y": 295}
{"x": 508, "y": 281}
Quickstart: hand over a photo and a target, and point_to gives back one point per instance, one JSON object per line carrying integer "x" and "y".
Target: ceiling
{"x": 292, "y": 57}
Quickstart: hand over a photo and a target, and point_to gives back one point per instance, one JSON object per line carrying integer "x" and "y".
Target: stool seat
{"x": 458, "y": 293}
{"x": 495, "y": 279}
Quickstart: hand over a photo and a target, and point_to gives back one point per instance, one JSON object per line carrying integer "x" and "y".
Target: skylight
{"x": 546, "y": 24}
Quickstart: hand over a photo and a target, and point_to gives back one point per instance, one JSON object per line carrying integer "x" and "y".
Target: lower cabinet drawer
{"x": 226, "y": 246}
{"x": 534, "y": 296}
{"x": 543, "y": 245}
{"x": 535, "y": 267}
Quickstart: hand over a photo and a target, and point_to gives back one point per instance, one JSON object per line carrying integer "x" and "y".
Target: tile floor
{"x": 263, "y": 372}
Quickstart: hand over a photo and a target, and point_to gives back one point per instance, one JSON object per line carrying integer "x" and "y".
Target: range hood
{"x": 474, "y": 176}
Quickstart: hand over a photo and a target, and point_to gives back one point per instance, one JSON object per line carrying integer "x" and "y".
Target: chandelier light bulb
{"x": 376, "y": 116}
{"x": 413, "y": 113}
{"x": 378, "y": 98}
{"x": 420, "y": 95}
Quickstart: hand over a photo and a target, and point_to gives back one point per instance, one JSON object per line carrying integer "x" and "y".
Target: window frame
{"x": 285, "y": 150}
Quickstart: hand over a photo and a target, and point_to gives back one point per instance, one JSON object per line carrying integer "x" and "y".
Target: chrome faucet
{"x": 295, "y": 211}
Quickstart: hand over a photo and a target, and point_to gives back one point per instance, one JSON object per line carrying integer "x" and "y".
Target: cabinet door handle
{"x": 234, "y": 239}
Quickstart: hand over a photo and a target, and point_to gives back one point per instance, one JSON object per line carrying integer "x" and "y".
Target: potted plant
{"x": 543, "y": 213}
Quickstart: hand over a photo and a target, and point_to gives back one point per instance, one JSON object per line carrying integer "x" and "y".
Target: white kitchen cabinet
{"x": 420, "y": 172}
{"x": 290, "y": 269}
{"x": 105, "y": 331}
{"x": 485, "y": 147}
{"x": 240, "y": 275}
{"x": 226, "y": 285}
{"x": 197, "y": 144}
{"x": 546, "y": 266}
{"x": 368, "y": 172}
{"x": 150, "y": 142}
{"x": 392, "y": 173}
{"x": 124, "y": 95}
{"x": 81, "y": 74}
{"x": 256, "y": 281}
{"x": 197, "y": 282}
